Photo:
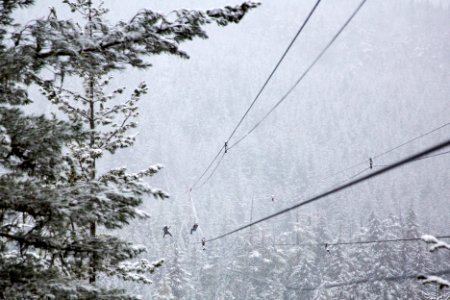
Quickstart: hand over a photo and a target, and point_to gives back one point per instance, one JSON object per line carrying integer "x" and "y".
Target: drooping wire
{"x": 260, "y": 92}
{"x": 362, "y": 171}
{"x": 434, "y": 155}
{"x": 376, "y": 165}
{"x": 411, "y": 140}
{"x": 274, "y": 69}
{"x": 331, "y": 191}
{"x": 213, "y": 171}
{"x": 293, "y": 87}
{"x": 388, "y": 151}
{"x": 362, "y": 242}
{"x": 303, "y": 74}
{"x": 345, "y": 169}
{"x": 354, "y": 175}
{"x": 207, "y": 168}
{"x": 423, "y": 158}
{"x": 365, "y": 162}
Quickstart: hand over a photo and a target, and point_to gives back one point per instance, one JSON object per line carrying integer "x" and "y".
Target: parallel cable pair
{"x": 255, "y": 99}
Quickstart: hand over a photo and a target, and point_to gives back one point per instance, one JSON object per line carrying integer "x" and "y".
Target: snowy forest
{"x": 224, "y": 149}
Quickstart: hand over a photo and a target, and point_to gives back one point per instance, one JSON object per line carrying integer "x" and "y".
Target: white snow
{"x": 437, "y": 244}
{"x": 437, "y": 280}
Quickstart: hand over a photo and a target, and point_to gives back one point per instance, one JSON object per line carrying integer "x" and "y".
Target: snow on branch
{"x": 120, "y": 174}
{"x": 436, "y": 244}
{"x": 442, "y": 283}
{"x": 135, "y": 271}
{"x": 231, "y": 14}
{"x": 145, "y": 34}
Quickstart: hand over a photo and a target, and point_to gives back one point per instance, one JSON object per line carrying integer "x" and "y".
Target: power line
{"x": 274, "y": 70}
{"x": 411, "y": 140}
{"x": 213, "y": 171}
{"x": 365, "y": 162}
{"x": 260, "y": 91}
{"x": 284, "y": 97}
{"x": 361, "y": 242}
{"x": 423, "y": 158}
{"x": 345, "y": 169}
{"x": 290, "y": 90}
{"x": 355, "y": 175}
{"x": 207, "y": 168}
{"x": 389, "y": 150}
{"x": 303, "y": 75}
{"x": 430, "y": 156}
{"x": 385, "y": 241}
{"x": 377, "y": 166}
{"x": 366, "y": 169}
{"x": 391, "y": 167}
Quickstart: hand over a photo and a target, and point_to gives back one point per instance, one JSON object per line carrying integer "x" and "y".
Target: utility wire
{"x": 379, "y": 165}
{"x": 260, "y": 91}
{"x": 411, "y": 140}
{"x": 345, "y": 170}
{"x": 213, "y": 171}
{"x": 274, "y": 69}
{"x": 355, "y": 175}
{"x": 366, "y": 169}
{"x": 423, "y": 158}
{"x": 361, "y": 242}
{"x": 388, "y": 168}
{"x": 303, "y": 75}
{"x": 207, "y": 168}
{"x": 389, "y": 151}
{"x": 385, "y": 241}
{"x": 292, "y": 88}
{"x": 375, "y": 166}
{"x": 434, "y": 155}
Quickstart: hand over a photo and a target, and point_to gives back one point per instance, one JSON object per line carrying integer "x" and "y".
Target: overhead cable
{"x": 207, "y": 168}
{"x": 259, "y": 93}
{"x": 382, "y": 241}
{"x": 285, "y": 95}
{"x": 303, "y": 74}
{"x": 331, "y": 191}
{"x": 274, "y": 69}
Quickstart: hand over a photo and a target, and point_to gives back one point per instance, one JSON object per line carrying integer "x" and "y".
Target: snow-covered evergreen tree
{"x": 178, "y": 278}
{"x": 442, "y": 284}
{"x": 52, "y": 198}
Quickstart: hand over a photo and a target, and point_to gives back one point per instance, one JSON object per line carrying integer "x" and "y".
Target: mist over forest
{"x": 375, "y": 97}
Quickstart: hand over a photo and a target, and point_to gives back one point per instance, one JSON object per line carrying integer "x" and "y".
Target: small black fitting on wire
{"x": 203, "y": 243}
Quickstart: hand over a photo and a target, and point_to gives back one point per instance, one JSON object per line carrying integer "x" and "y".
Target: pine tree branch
{"x": 186, "y": 27}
